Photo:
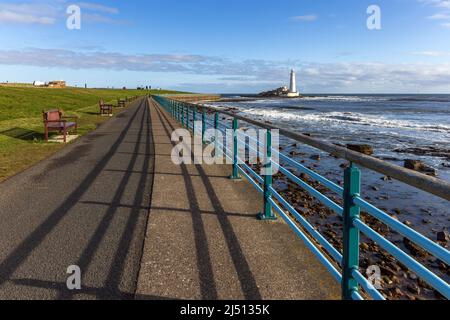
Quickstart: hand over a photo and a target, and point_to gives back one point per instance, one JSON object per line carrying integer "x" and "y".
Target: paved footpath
{"x": 85, "y": 206}
{"x": 140, "y": 227}
{"x": 203, "y": 241}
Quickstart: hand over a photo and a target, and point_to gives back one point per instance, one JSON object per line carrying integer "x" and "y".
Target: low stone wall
{"x": 195, "y": 97}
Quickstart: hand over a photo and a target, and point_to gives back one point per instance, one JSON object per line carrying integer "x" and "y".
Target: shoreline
{"x": 397, "y": 281}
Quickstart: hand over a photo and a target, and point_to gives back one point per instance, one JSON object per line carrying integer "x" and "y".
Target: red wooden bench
{"x": 54, "y": 120}
{"x": 105, "y": 109}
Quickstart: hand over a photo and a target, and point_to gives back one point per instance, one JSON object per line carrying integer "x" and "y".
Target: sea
{"x": 392, "y": 124}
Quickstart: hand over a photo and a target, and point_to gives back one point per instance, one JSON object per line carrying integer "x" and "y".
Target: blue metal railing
{"x": 344, "y": 266}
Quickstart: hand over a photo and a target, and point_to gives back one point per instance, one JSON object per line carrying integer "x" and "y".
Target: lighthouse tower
{"x": 293, "y": 87}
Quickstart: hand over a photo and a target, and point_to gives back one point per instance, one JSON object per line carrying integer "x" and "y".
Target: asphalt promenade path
{"x": 87, "y": 206}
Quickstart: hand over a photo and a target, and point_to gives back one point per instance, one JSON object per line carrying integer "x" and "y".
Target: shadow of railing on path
{"x": 245, "y": 275}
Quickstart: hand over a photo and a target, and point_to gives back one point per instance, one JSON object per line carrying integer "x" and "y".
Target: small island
{"x": 284, "y": 92}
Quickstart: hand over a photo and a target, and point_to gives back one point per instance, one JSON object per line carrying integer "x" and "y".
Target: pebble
{"x": 443, "y": 267}
{"x": 412, "y": 276}
{"x": 364, "y": 246}
{"x": 387, "y": 280}
{"x": 443, "y": 236}
{"x": 398, "y": 292}
{"x": 408, "y": 223}
{"x": 413, "y": 288}
{"x": 423, "y": 284}
{"x": 413, "y": 248}
{"x": 361, "y": 148}
{"x": 388, "y": 271}
{"x": 395, "y": 266}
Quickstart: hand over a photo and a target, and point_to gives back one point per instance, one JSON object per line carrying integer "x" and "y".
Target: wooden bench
{"x": 54, "y": 120}
{"x": 121, "y": 103}
{"x": 105, "y": 109}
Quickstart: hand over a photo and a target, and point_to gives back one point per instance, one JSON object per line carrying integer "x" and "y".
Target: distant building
{"x": 293, "y": 87}
{"x": 57, "y": 84}
{"x": 39, "y": 84}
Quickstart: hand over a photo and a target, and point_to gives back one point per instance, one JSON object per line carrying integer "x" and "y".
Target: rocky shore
{"x": 398, "y": 283}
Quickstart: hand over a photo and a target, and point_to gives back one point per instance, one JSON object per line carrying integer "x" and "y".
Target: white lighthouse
{"x": 293, "y": 87}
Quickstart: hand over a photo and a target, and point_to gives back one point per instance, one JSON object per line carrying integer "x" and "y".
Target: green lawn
{"x": 21, "y": 127}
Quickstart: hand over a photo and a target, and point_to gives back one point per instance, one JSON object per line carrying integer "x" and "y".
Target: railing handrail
{"x": 437, "y": 187}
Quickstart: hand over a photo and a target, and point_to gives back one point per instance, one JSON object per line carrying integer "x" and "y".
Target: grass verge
{"x": 21, "y": 128}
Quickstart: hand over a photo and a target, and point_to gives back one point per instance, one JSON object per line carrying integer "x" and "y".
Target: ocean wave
{"x": 296, "y": 108}
{"x": 339, "y": 118}
{"x": 420, "y": 99}
{"x": 344, "y": 98}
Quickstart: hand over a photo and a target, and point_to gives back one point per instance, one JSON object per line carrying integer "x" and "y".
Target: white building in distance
{"x": 293, "y": 86}
{"x": 39, "y": 84}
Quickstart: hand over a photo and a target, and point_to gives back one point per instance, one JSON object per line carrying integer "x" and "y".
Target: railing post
{"x": 194, "y": 118}
{"x": 352, "y": 189}
{"x": 188, "y": 113}
{"x": 216, "y": 134}
{"x": 182, "y": 115}
{"x": 176, "y": 110}
{"x": 203, "y": 124}
{"x": 235, "y": 174}
{"x": 267, "y": 213}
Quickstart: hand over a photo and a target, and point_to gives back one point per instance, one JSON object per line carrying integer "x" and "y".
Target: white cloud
{"x": 98, "y": 7}
{"x": 431, "y": 53}
{"x": 101, "y": 60}
{"x": 99, "y": 18}
{"x": 343, "y": 77}
{"x": 14, "y": 17}
{"x": 305, "y": 18}
{"x": 440, "y": 16}
{"x": 437, "y": 3}
{"x": 27, "y": 13}
{"x": 445, "y": 5}
{"x": 48, "y": 12}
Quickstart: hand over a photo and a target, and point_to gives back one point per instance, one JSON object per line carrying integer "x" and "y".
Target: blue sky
{"x": 230, "y": 46}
